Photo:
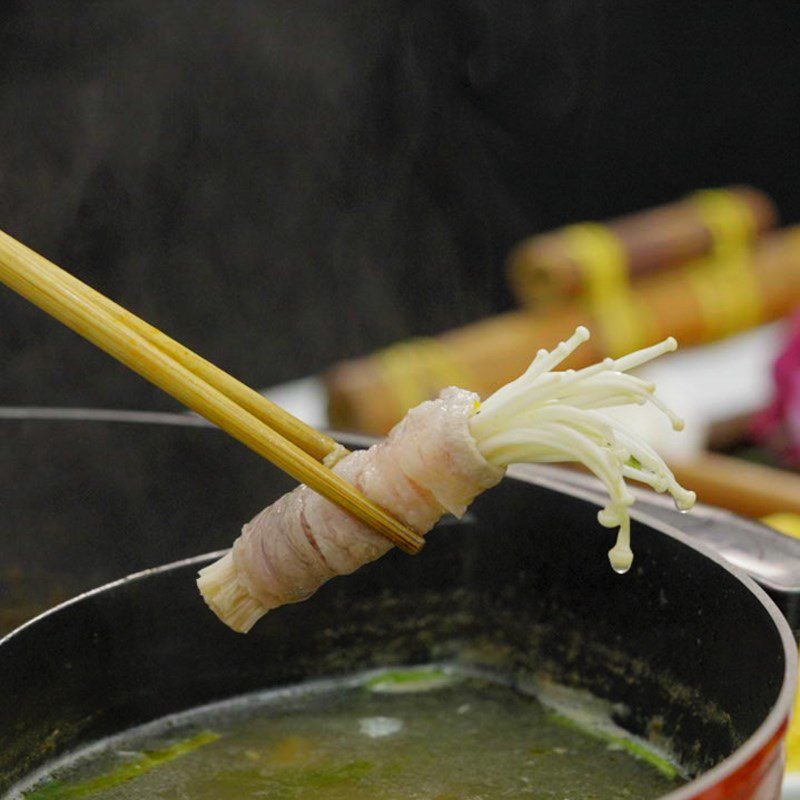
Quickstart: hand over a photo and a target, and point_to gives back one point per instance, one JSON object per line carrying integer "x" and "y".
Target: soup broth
{"x": 422, "y": 734}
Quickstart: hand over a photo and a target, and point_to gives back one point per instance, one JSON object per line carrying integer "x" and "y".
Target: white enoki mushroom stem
{"x": 553, "y": 416}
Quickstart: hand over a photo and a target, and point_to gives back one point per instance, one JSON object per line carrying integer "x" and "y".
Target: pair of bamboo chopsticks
{"x": 263, "y": 426}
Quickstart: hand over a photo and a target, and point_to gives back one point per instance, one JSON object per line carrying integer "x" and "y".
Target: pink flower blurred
{"x": 778, "y": 426}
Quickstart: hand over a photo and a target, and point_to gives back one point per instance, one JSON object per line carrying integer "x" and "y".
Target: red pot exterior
{"x": 759, "y": 778}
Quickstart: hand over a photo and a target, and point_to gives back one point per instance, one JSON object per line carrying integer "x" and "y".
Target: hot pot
{"x": 689, "y": 648}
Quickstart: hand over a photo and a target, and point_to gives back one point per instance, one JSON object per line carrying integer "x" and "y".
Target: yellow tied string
{"x": 416, "y": 370}
{"x": 604, "y": 264}
{"x": 725, "y": 284}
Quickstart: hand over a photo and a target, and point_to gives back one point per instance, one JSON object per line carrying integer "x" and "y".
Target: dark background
{"x": 283, "y": 184}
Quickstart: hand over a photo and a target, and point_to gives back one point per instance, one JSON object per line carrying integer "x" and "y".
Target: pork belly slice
{"x": 429, "y": 465}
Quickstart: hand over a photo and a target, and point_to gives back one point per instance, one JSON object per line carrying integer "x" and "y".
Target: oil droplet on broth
{"x": 377, "y": 727}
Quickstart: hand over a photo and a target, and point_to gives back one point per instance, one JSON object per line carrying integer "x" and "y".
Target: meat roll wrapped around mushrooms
{"x": 442, "y": 455}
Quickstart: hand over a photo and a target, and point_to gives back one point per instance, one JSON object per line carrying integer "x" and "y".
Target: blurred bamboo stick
{"x": 754, "y": 490}
{"x": 696, "y": 305}
{"x": 564, "y": 263}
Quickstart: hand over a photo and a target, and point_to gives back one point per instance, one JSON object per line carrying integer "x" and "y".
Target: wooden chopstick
{"x": 188, "y": 378}
{"x": 314, "y": 442}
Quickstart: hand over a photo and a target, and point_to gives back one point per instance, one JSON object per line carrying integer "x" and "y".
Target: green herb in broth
{"x": 124, "y": 772}
{"x": 411, "y": 680}
{"x": 636, "y": 749}
{"x": 468, "y": 738}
